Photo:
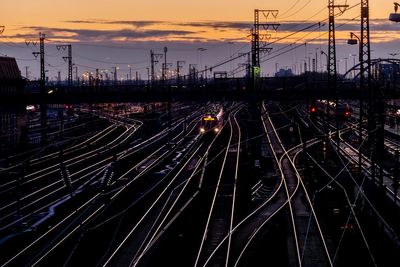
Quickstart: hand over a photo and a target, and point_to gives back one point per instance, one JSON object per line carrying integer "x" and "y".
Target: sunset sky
{"x": 50, "y": 12}
{"x": 107, "y": 33}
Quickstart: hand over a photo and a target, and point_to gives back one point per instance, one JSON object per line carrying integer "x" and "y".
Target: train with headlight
{"x": 323, "y": 108}
{"x": 211, "y": 121}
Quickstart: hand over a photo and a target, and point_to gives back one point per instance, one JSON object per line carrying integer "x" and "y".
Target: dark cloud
{"x": 102, "y": 35}
{"x": 218, "y": 24}
{"x": 136, "y": 23}
{"x": 144, "y": 23}
{"x": 188, "y": 30}
{"x": 288, "y": 26}
{"x": 192, "y": 38}
{"x": 350, "y": 25}
{"x": 341, "y": 25}
{"x": 85, "y": 21}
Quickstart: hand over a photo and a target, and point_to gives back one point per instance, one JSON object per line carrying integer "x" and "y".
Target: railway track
{"x": 222, "y": 210}
{"x": 285, "y": 197}
{"x": 125, "y": 154}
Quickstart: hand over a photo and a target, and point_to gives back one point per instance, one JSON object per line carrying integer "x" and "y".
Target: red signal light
{"x": 313, "y": 110}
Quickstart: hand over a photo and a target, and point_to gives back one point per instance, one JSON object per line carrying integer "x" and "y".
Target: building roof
{"x": 9, "y": 69}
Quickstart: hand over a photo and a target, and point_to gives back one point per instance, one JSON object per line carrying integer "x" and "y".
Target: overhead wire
{"x": 239, "y": 56}
{"x": 290, "y": 8}
{"x": 22, "y": 59}
{"x": 310, "y": 40}
{"x": 55, "y": 66}
{"x": 320, "y": 23}
{"x": 302, "y": 44}
{"x": 297, "y": 11}
{"x": 324, "y": 33}
{"x": 232, "y": 58}
{"x": 306, "y": 28}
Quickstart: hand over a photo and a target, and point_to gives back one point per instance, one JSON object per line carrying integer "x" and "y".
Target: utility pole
{"x": 76, "y": 75}
{"x": 305, "y": 66}
{"x": 164, "y": 69}
{"x": 164, "y": 77}
{"x": 376, "y": 105}
{"x": 192, "y": 73}
{"x": 314, "y": 65}
{"x": 199, "y": 53}
{"x": 115, "y": 76}
{"x": 166, "y": 86}
{"x": 69, "y": 65}
{"x": 365, "y": 43}
{"x": 148, "y": 76}
{"x": 59, "y": 78}
{"x": 256, "y": 49}
{"x": 97, "y": 80}
{"x": 361, "y": 108}
{"x": 27, "y": 72}
{"x": 154, "y": 60}
{"x": 179, "y": 65}
{"x": 69, "y": 60}
{"x": 130, "y": 74}
{"x": 43, "y": 94}
{"x": 332, "y": 71}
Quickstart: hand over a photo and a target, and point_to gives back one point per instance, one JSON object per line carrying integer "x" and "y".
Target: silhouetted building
{"x": 12, "y": 117}
{"x": 284, "y": 73}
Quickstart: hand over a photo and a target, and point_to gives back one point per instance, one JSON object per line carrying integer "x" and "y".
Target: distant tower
{"x": 154, "y": 60}
{"x": 332, "y": 71}
{"x": 43, "y": 94}
{"x": 59, "y": 78}
{"x": 255, "y": 43}
{"x": 69, "y": 65}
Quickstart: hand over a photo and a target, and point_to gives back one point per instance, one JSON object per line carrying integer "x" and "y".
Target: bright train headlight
{"x": 216, "y": 130}
{"x": 202, "y": 130}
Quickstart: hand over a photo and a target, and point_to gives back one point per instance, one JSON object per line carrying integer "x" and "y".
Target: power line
{"x": 319, "y": 36}
{"x": 297, "y": 11}
{"x": 301, "y": 45}
{"x": 290, "y": 8}
{"x": 21, "y": 59}
{"x": 308, "y": 27}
